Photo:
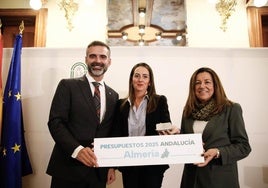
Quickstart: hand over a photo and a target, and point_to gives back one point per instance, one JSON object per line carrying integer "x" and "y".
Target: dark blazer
{"x": 159, "y": 115}
{"x": 73, "y": 122}
{"x": 225, "y": 131}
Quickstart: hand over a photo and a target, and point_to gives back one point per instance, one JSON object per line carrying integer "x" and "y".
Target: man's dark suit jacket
{"x": 73, "y": 122}
{"x": 159, "y": 115}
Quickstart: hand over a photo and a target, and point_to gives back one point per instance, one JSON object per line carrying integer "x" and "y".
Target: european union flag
{"x": 14, "y": 158}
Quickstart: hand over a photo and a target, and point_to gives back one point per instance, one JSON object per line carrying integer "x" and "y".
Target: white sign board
{"x": 148, "y": 150}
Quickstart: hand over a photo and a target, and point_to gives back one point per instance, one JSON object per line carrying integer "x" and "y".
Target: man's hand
{"x": 87, "y": 157}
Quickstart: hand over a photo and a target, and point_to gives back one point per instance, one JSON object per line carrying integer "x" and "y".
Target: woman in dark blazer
{"x": 210, "y": 112}
{"x": 137, "y": 115}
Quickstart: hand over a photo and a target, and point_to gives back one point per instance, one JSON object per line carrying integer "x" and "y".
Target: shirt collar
{"x": 90, "y": 79}
{"x": 145, "y": 97}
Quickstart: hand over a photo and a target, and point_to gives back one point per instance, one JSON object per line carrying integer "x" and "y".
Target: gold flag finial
{"x": 21, "y": 27}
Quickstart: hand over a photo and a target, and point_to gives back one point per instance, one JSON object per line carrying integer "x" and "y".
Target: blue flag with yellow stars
{"x": 14, "y": 158}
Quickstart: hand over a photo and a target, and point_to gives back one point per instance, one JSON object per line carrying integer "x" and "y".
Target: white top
{"x": 199, "y": 126}
{"x": 137, "y": 119}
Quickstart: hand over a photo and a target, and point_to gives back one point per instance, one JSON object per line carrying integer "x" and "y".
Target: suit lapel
{"x": 212, "y": 124}
{"x": 87, "y": 94}
{"x": 189, "y": 123}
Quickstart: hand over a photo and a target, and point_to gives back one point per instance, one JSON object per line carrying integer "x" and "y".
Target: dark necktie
{"x": 97, "y": 98}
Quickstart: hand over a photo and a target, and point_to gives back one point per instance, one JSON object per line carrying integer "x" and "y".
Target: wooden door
{"x": 258, "y": 26}
{"x": 34, "y": 34}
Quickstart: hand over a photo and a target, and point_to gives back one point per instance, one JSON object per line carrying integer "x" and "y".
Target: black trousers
{"x": 91, "y": 182}
{"x": 139, "y": 177}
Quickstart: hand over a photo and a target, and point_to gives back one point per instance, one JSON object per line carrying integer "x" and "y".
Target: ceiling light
{"x": 36, "y": 4}
{"x": 141, "y": 28}
{"x": 142, "y": 12}
{"x": 124, "y": 35}
{"x": 158, "y": 35}
{"x": 179, "y": 36}
{"x": 212, "y": 1}
{"x": 260, "y": 3}
{"x": 89, "y": 2}
{"x": 141, "y": 42}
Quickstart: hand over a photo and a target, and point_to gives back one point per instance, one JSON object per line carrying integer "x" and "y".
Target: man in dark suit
{"x": 74, "y": 123}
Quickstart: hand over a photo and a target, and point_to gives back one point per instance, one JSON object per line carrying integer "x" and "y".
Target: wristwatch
{"x": 218, "y": 153}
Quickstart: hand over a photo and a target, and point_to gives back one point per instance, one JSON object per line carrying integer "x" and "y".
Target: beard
{"x": 96, "y": 69}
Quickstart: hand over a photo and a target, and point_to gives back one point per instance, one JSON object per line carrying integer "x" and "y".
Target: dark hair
{"x": 99, "y": 43}
{"x": 150, "y": 90}
{"x": 219, "y": 94}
